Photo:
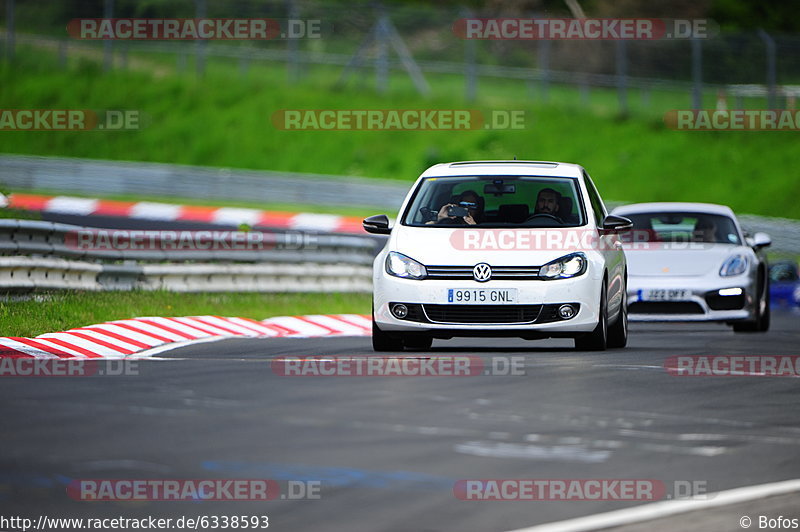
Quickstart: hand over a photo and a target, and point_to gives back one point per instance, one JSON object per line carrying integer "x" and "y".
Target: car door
{"x": 610, "y": 247}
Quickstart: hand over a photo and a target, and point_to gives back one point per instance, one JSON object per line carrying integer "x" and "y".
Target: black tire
{"x": 763, "y": 326}
{"x": 618, "y": 333}
{"x": 597, "y": 340}
{"x": 384, "y": 341}
{"x": 417, "y": 341}
{"x": 762, "y": 319}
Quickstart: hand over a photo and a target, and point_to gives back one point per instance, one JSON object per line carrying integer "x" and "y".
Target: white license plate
{"x": 666, "y": 294}
{"x": 481, "y": 296}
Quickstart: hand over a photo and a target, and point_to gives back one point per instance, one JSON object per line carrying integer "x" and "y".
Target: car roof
{"x": 524, "y": 168}
{"x": 674, "y": 206}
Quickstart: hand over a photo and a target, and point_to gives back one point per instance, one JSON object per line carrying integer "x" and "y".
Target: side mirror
{"x": 377, "y": 225}
{"x": 616, "y": 224}
{"x": 761, "y": 240}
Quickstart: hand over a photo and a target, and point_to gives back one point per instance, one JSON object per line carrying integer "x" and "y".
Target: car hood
{"x": 442, "y": 246}
{"x": 694, "y": 260}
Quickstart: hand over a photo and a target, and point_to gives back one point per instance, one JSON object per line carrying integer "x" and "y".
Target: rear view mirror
{"x": 498, "y": 189}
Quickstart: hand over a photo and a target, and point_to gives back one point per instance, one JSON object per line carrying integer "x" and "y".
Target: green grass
{"x": 59, "y": 311}
{"x": 225, "y": 120}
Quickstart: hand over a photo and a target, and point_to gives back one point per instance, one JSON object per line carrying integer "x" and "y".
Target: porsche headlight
{"x": 565, "y": 267}
{"x": 735, "y": 265}
{"x": 399, "y": 265}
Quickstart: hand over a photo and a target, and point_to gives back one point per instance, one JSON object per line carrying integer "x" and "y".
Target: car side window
{"x": 597, "y": 204}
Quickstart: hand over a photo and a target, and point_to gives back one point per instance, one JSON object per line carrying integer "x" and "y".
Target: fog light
{"x": 731, "y": 292}
{"x": 566, "y": 312}
{"x": 400, "y": 311}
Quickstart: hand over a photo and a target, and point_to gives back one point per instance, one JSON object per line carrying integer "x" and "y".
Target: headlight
{"x": 399, "y": 265}
{"x": 735, "y": 265}
{"x": 569, "y": 266}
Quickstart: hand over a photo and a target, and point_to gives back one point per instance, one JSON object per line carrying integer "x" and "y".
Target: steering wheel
{"x": 544, "y": 214}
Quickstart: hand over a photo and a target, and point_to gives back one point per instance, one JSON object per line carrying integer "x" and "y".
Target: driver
{"x": 547, "y": 202}
{"x": 705, "y": 230}
{"x": 469, "y": 196}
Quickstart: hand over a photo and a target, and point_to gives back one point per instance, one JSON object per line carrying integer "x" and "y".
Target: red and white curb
{"x": 145, "y": 336}
{"x": 145, "y": 210}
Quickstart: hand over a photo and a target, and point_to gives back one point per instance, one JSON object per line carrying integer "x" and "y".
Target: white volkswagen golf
{"x": 500, "y": 248}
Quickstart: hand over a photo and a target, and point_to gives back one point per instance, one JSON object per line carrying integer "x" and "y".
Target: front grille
{"x": 665, "y": 307}
{"x": 718, "y": 302}
{"x": 499, "y": 273}
{"x": 482, "y": 313}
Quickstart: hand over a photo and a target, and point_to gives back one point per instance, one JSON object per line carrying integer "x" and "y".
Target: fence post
{"x": 108, "y": 44}
{"x": 771, "y": 76}
{"x": 583, "y": 86}
{"x": 697, "y": 74}
{"x": 470, "y": 70}
{"x": 10, "y": 29}
{"x": 292, "y": 66}
{"x": 543, "y": 54}
{"x": 381, "y": 51}
{"x": 201, "y": 12}
{"x": 62, "y": 53}
{"x": 622, "y": 75}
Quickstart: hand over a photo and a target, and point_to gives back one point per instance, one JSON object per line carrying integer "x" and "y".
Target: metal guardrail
{"x": 150, "y": 179}
{"x": 36, "y": 255}
{"x": 170, "y": 180}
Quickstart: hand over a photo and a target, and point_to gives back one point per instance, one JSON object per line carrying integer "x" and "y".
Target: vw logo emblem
{"x": 482, "y": 272}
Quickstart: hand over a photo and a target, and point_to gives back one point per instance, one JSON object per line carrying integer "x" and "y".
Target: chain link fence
{"x": 366, "y": 40}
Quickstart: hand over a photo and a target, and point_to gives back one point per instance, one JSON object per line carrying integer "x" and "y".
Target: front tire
{"x": 762, "y": 319}
{"x": 383, "y": 341}
{"x": 417, "y": 341}
{"x": 618, "y": 333}
{"x": 597, "y": 340}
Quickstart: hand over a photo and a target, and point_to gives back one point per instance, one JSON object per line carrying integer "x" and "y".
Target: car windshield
{"x": 496, "y": 201}
{"x": 682, "y": 227}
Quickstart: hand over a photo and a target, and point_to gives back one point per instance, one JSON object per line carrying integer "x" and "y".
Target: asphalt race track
{"x": 387, "y": 451}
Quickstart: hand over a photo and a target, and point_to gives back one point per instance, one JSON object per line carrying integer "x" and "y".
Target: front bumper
{"x": 703, "y": 304}
{"x": 424, "y": 295}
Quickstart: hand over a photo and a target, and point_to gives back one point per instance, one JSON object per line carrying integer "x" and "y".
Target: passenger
{"x": 473, "y": 212}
